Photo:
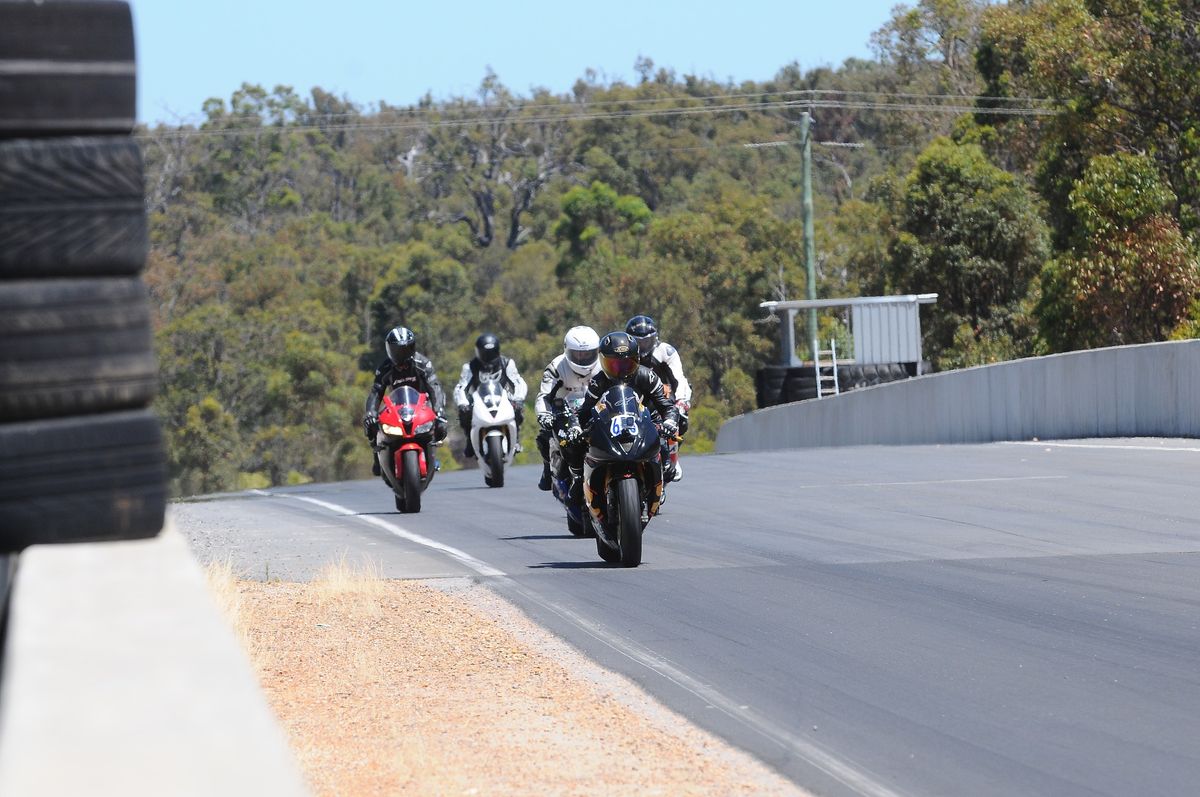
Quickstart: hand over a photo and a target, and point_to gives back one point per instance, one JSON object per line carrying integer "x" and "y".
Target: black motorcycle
{"x": 560, "y": 471}
{"x": 622, "y": 475}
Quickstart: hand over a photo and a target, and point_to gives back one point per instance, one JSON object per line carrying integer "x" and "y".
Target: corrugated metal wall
{"x": 886, "y": 333}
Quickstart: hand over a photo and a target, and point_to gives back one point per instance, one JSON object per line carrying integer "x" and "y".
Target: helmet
{"x": 644, "y": 332}
{"x": 618, "y": 356}
{"x": 580, "y": 344}
{"x": 401, "y": 344}
{"x": 487, "y": 348}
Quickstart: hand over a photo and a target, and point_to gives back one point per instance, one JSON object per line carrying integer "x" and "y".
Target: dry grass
{"x": 388, "y": 687}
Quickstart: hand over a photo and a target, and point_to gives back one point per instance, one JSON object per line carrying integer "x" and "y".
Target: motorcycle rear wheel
{"x": 411, "y": 479}
{"x": 629, "y": 522}
{"x": 495, "y": 462}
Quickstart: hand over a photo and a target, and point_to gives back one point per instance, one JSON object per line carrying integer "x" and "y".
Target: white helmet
{"x": 582, "y": 347}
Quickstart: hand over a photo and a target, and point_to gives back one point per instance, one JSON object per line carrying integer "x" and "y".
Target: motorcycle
{"x": 493, "y": 431}
{"x": 622, "y": 476}
{"x": 560, "y": 471}
{"x": 404, "y": 446}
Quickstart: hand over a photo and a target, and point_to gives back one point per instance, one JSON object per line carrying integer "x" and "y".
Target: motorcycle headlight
{"x": 389, "y": 429}
{"x": 423, "y": 428}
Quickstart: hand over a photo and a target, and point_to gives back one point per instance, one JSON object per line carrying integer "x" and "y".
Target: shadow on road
{"x": 542, "y": 537}
{"x": 568, "y": 565}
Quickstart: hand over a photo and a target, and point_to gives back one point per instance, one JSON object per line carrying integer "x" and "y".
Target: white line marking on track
{"x": 831, "y": 765}
{"x": 820, "y": 759}
{"x": 930, "y": 481}
{"x": 462, "y": 557}
{"x": 1097, "y": 445}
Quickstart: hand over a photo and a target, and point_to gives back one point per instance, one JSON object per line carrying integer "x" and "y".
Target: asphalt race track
{"x": 1005, "y": 619}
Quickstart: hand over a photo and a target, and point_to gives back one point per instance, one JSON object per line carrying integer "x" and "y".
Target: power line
{"x": 484, "y": 109}
{"x": 811, "y": 103}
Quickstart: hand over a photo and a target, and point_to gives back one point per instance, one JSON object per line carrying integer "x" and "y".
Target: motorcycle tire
{"x": 67, "y": 67}
{"x": 610, "y": 555}
{"x": 81, "y": 479}
{"x": 399, "y": 504}
{"x": 629, "y": 522}
{"x": 411, "y": 481}
{"x": 495, "y": 463}
{"x": 71, "y": 207}
{"x": 73, "y": 347}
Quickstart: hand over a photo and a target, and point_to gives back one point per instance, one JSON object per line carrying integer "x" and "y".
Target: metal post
{"x": 810, "y": 257}
{"x": 787, "y": 338}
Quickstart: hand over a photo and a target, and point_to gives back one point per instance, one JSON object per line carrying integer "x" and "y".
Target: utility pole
{"x": 810, "y": 257}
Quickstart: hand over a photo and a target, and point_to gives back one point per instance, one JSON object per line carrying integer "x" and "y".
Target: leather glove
{"x": 670, "y": 428}
{"x": 574, "y": 432}
{"x": 463, "y": 408}
{"x": 546, "y": 421}
{"x": 370, "y": 425}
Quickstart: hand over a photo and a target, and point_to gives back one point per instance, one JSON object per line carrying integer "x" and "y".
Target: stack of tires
{"x": 81, "y": 456}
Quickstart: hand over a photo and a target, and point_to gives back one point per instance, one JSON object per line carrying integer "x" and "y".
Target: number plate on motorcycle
{"x": 626, "y": 423}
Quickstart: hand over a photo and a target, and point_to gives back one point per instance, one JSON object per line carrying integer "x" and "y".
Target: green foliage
{"x": 1130, "y": 275}
{"x": 970, "y": 232}
{"x": 288, "y": 233}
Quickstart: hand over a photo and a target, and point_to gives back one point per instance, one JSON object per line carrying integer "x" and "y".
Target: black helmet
{"x": 618, "y": 356}
{"x": 487, "y": 348}
{"x": 644, "y": 332}
{"x": 401, "y": 344}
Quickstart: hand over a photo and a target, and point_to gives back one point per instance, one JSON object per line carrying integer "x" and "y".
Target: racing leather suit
{"x": 418, "y": 374}
{"x": 559, "y": 382}
{"x": 504, "y": 371}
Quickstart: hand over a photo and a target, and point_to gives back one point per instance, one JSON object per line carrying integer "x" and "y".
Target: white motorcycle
{"x": 493, "y": 431}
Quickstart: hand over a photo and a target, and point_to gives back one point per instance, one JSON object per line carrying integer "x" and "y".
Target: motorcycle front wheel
{"x": 411, "y": 480}
{"x": 629, "y": 522}
{"x": 495, "y": 462}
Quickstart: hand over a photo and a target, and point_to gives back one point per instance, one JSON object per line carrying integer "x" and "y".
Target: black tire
{"x": 411, "y": 481}
{"x": 71, "y": 208}
{"x": 495, "y": 462}
{"x": 81, "y": 479}
{"x": 399, "y": 504}
{"x": 799, "y": 388}
{"x": 73, "y": 347}
{"x": 66, "y": 66}
{"x": 610, "y": 555}
{"x": 629, "y": 522}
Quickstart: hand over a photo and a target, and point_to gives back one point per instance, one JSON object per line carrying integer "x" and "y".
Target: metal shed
{"x": 885, "y": 329}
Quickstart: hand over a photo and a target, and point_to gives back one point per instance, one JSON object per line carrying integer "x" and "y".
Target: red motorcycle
{"x": 405, "y": 445}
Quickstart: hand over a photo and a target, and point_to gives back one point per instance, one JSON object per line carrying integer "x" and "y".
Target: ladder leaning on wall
{"x": 827, "y": 384}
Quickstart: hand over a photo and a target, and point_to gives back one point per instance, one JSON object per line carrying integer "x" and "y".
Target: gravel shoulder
{"x": 442, "y": 687}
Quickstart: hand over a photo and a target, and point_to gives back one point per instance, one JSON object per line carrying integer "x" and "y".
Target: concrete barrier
{"x": 121, "y": 678}
{"x": 1148, "y": 390}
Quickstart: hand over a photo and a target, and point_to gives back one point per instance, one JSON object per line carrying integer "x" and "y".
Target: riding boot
{"x": 375, "y": 469}
{"x": 544, "y": 483}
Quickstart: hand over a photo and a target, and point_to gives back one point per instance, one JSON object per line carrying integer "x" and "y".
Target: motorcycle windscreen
{"x": 491, "y": 394}
{"x": 623, "y": 426}
{"x": 406, "y": 400}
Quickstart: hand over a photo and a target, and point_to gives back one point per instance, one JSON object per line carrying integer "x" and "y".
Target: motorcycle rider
{"x": 619, "y": 364}
{"x": 404, "y": 366}
{"x": 569, "y": 372}
{"x": 663, "y": 359}
{"x": 489, "y": 365}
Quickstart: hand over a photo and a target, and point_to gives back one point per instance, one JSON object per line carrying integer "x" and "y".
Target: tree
{"x": 1130, "y": 275}
{"x": 970, "y": 232}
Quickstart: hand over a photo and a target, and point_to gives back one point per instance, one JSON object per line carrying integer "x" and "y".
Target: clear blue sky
{"x": 392, "y": 50}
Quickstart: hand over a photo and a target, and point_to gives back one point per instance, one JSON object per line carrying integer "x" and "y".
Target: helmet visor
{"x": 401, "y": 353}
{"x": 584, "y": 359}
{"x": 619, "y": 367}
{"x": 646, "y": 344}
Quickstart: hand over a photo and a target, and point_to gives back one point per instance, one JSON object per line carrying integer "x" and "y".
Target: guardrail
{"x": 1148, "y": 390}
